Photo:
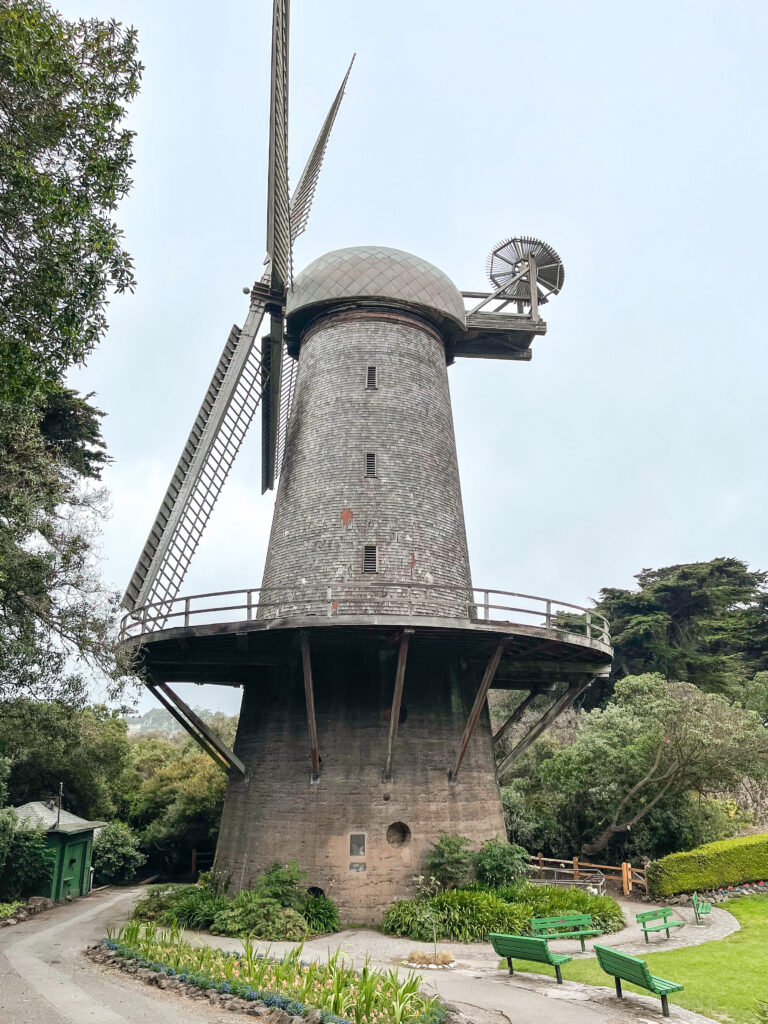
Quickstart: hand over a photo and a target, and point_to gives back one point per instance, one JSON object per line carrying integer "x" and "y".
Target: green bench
{"x": 578, "y": 925}
{"x": 634, "y": 970}
{"x": 535, "y": 950}
{"x": 700, "y": 908}
{"x": 662, "y": 919}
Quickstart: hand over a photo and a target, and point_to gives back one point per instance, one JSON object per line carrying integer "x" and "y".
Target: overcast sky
{"x": 631, "y": 137}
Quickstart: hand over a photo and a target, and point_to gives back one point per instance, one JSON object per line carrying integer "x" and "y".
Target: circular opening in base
{"x": 398, "y": 834}
{"x": 315, "y": 890}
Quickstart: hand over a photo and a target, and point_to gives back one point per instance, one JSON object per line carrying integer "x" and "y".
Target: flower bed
{"x": 335, "y": 989}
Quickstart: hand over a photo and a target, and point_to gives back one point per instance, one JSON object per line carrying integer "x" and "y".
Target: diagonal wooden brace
{"x": 477, "y": 707}
{"x": 553, "y": 711}
{"x": 197, "y": 728}
{"x": 309, "y": 694}
{"x": 397, "y": 697}
{"x": 516, "y": 715}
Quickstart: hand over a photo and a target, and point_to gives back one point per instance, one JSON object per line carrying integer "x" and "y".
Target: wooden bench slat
{"x": 634, "y": 970}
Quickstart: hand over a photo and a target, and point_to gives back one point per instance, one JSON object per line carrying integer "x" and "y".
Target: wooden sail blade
{"x": 304, "y": 193}
{"x": 278, "y": 203}
{"x": 301, "y": 204}
{"x": 219, "y": 429}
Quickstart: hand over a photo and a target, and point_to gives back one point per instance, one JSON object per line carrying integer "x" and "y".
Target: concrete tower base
{"x": 359, "y": 837}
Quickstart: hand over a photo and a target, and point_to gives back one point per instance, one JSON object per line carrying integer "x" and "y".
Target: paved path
{"x": 45, "y": 979}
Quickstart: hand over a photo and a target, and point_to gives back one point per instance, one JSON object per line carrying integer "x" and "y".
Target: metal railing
{"x": 476, "y": 604}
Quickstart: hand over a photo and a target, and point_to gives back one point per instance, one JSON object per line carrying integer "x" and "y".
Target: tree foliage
{"x": 85, "y": 749}
{"x": 640, "y": 762}
{"x": 178, "y": 809}
{"x": 701, "y": 622}
{"x": 65, "y": 164}
{"x": 116, "y": 854}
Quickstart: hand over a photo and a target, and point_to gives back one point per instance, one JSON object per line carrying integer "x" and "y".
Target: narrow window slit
{"x": 369, "y": 558}
{"x": 370, "y": 464}
{"x": 370, "y": 379}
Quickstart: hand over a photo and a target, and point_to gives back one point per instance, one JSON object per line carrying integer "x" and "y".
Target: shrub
{"x": 727, "y": 862}
{"x": 498, "y": 862}
{"x": 282, "y": 883}
{"x": 28, "y": 865}
{"x": 413, "y": 918}
{"x": 467, "y": 916}
{"x": 449, "y": 860}
{"x": 248, "y": 914}
{"x": 7, "y": 909}
{"x": 116, "y": 854}
{"x": 459, "y": 914}
{"x": 552, "y": 901}
{"x": 157, "y": 900}
{"x": 194, "y": 907}
{"x": 321, "y": 914}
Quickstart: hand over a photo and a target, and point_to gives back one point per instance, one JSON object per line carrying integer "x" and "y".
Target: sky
{"x": 630, "y": 137}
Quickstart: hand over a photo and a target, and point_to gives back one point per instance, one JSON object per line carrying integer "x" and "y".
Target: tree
{"x": 178, "y": 809}
{"x": 116, "y": 854}
{"x": 48, "y": 743}
{"x": 702, "y": 622}
{"x": 654, "y": 743}
{"x": 64, "y": 166}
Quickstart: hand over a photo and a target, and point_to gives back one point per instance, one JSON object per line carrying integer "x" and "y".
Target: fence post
{"x": 186, "y": 611}
{"x": 193, "y": 866}
{"x": 626, "y": 884}
{"x": 541, "y": 866}
{"x": 548, "y": 618}
{"x": 575, "y": 869}
{"x": 249, "y": 604}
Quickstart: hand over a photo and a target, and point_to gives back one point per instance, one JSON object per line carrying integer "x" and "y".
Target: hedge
{"x": 726, "y": 862}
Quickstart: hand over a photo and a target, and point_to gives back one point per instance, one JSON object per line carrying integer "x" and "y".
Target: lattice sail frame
{"x": 236, "y": 388}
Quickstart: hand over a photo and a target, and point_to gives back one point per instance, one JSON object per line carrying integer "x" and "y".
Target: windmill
{"x": 367, "y": 654}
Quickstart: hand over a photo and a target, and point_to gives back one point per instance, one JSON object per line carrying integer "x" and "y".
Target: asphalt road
{"x": 45, "y": 979}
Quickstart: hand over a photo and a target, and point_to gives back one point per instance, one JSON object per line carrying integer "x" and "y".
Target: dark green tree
{"x": 65, "y": 163}
{"x": 701, "y": 622}
{"x": 48, "y": 743}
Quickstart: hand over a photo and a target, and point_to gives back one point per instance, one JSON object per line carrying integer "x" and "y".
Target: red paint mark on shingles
{"x": 413, "y": 559}
{"x": 347, "y": 515}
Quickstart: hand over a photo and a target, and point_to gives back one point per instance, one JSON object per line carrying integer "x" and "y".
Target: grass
{"x": 723, "y": 979}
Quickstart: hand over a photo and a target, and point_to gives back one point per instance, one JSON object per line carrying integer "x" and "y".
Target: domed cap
{"x": 374, "y": 272}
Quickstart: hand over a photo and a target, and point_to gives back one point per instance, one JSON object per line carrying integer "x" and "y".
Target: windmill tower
{"x": 366, "y": 656}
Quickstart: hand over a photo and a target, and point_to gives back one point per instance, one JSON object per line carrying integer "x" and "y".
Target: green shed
{"x": 71, "y": 838}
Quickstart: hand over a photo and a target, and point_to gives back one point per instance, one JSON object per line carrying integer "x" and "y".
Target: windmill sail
{"x": 215, "y": 439}
{"x": 301, "y": 204}
{"x": 227, "y": 411}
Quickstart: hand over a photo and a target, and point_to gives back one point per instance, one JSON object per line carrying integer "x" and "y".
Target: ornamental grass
{"x": 361, "y": 996}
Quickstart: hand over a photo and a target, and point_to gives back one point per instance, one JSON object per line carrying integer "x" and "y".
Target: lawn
{"x": 722, "y": 979}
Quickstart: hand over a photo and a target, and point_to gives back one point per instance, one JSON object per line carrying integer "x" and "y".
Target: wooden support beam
{"x": 186, "y": 727}
{"x": 397, "y": 697}
{"x": 516, "y": 715}
{"x": 228, "y": 756}
{"x": 309, "y": 694}
{"x": 549, "y": 716}
{"x": 477, "y": 707}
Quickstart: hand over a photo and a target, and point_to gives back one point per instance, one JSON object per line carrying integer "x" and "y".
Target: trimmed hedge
{"x": 726, "y": 862}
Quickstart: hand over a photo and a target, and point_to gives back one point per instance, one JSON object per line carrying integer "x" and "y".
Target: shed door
{"x": 72, "y": 873}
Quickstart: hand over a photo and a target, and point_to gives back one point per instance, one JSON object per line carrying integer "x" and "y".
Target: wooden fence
{"x": 624, "y": 875}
